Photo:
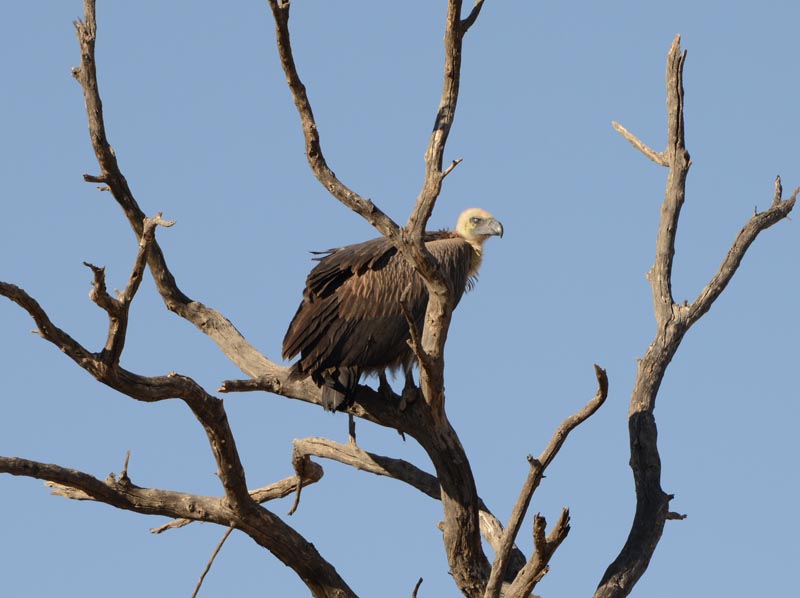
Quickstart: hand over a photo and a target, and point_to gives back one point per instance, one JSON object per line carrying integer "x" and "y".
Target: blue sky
{"x": 205, "y": 131}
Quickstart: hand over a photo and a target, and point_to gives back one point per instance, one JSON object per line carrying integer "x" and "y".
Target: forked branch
{"x": 209, "y": 321}
{"x": 535, "y": 475}
{"x": 469, "y": 565}
{"x": 280, "y": 489}
{"x": 536, "y": 568}
{"x": 403, "y": 471}
{"x": 123, "y": 494}
{"x": 778, "y": 210}
{"x": 316, "y": 159}
{"x": 652, "y": 503}
{"x": 118, "y": 307}
{"x": 237, "y": 507}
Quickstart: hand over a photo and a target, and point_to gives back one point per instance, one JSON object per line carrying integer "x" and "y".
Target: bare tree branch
{"x": 280, "y": 489}
{"x": 207, "y": 409}
{"x": 214, "y": 554}
{"x": 500, "y": 563}
{"x": 659, "y": 158}
{"x": 264, "y": 527}
{"x": 117, "y": 308}
{"x": 406, "y": 472}
{"x": 209, "y": 321}
{"x": 778, "y": 210}
{"x": 261, "y": 525}
{"x": 536, "y": 568}
{"x": 316, "y": 160}
{"x": 652, "y": 503}
{"x": 465, "y": 515}
{"x": 459, "y": 496}
{"x": 472, "y": 17}
{"x": 123, "y": 494}
{"x": 368, "y": 404}
{"x": 358, "y": 458}
{"x": 440, "y": 303}
{"x": 535, "y": 475}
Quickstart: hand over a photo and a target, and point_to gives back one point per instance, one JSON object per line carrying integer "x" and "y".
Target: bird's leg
{"x": 351, "y": 429}
{"x": 384, "y": 388}
{"x": 410, "y": 390}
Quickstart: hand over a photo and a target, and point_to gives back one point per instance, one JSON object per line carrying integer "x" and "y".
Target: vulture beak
{"x": 490, "y": 227}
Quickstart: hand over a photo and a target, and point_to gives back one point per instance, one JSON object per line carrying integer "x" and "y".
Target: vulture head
{"x": 475, "y": 225}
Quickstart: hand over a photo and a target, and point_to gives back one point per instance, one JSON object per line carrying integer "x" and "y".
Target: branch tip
{"x": 416, "y": 588}
{"x": 123, "y": 475}
{"x": 469, "y": 21}
{"x": 659, "y": 158}
{"x": 211, "y": 560}
{"x": 602, "y": 379}
{"x": 452, "y": 166}
{"x": 778, "y": 190}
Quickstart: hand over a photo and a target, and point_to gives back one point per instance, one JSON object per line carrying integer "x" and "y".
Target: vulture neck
{"x": 477, "y": 254}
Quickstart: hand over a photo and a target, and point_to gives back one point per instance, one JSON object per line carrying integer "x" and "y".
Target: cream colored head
{"x": 477, "y": 225}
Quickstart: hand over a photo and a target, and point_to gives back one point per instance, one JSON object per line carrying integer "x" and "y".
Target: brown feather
{"x": 350, "y": 321}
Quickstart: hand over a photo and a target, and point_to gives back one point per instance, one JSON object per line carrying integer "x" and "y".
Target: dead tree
{"x": 466, "y": 519}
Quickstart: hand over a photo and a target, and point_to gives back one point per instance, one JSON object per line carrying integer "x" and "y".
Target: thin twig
{"x": 778, "y": 196}
{"x": 211, "y": 560}
{"x": 760, "y": 221}
{"x": 472, "y": 17}
{"x": 123, "y": 475}
{"x": 452, "y": 166}
{"x": 659, "y": 158}
{"x": 498, "y": 571}
{"x": 416, "y": 588}
{"x": 299, "y": 462}
{"x": 534, "y": 478}
{"x": 316, "y": 159}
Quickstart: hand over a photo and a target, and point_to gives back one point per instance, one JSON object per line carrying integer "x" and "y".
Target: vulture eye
{"x": 474, "y": 220}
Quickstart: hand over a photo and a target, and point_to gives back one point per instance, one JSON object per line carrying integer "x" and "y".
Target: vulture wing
{"x": 350, "y": 320}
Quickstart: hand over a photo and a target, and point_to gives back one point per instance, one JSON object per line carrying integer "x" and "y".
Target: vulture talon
{"x": 410, "y": 394}
{"x": 384, "y": 388}
{"x": 410, "y": 390}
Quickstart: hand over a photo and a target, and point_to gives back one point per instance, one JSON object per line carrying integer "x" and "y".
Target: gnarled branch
{"x": 652, "y": 503}
{"x": 468, "y": 563}
{"x": 398, "y": 469}
{"x": 535, "y": 475}
{"x": 236, "y": 507}
{"x": 536, "y": 568}
{"x": 209, "y": 321}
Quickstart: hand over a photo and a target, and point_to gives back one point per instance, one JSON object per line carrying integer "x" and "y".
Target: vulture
{"x": 350, "y": 322}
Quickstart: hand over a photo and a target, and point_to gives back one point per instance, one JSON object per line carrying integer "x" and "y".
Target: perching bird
{"x": 351, "y": 322}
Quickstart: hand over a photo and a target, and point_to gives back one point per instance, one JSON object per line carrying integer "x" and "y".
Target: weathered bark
{"x": 466, "y": 517}
{"x": 468, "y": 563}
{"x": 673, "y": 321}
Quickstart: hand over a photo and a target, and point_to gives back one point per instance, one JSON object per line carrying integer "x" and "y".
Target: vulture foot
{"x": 384, "y": 388}
{"x": 410, "y": 394}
